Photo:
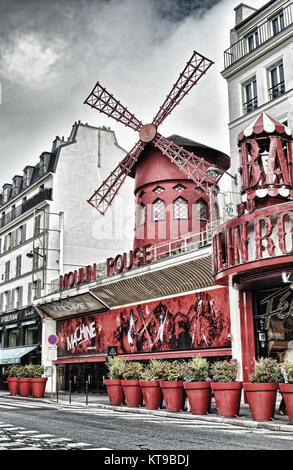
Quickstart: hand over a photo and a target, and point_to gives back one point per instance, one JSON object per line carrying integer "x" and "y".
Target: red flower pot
{"x": 228, "y": 397}
{"x": 287, "y": 392}
{"x": 132, "y": 392}
{"x": 38, "y": 386}
{"x": 25, "y": 386}
{"x": 13, "y": 385}
{"x": 261, "y": 399}
{"x": 152, "y": 394}
{"x": 115, "y": 391}
{"x": 199, "y": 396}
{"x": 174, "y": 395}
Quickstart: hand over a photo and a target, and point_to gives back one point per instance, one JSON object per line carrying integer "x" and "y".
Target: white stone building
{"x": 47, "y": 227}
{"x": 259, "y": 68}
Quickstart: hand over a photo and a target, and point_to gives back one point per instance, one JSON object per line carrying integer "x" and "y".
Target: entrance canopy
{"x": 14, "y": 355}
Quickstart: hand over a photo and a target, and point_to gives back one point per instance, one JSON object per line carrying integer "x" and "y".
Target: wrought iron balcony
{"x": 277, "y": 90}
{"x": 45, "y": 194}
{"x": 263, "y": 32}
{"x": 250, "y": 105}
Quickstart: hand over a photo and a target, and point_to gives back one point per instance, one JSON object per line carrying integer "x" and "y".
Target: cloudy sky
{"x": 53, "y": 52}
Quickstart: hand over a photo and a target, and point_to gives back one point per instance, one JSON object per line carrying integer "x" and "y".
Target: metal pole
{"x": 57, "y": 396}
{"x": 70, "y": 392}
{"x": 86, "y": 392}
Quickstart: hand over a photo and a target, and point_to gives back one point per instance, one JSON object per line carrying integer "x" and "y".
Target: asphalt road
{"x": 45, "y": 426}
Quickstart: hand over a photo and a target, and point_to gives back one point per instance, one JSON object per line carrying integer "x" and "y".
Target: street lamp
{"x": 214, "y": 172}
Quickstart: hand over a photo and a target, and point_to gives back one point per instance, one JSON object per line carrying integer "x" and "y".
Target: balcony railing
{"x": 45, "y": 194}
{"x": 250, "y": 105}
{"x": 264, "y": 32}
{"x": 277, "y": 90}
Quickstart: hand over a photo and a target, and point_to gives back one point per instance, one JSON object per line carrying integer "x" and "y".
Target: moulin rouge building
{"x": 193, "y": 284}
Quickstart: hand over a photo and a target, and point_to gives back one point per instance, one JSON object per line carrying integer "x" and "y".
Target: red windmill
{"x": 178, "y": 163}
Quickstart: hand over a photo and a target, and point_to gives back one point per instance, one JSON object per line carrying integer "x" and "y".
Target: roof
{"x": 264, "y": 124}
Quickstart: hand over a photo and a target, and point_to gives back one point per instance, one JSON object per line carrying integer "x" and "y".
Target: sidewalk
{"x": 279, "y": 423}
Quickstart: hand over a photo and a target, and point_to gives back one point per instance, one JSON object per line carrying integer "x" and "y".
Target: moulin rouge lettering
{"x": 247, "y": 238}
{"x": 81, "y": 334}
{"x": 124, "y": 262}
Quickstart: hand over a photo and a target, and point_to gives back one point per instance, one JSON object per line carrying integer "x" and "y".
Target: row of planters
{"x": 26, "y": 380}
{"x": 159, "y": 380}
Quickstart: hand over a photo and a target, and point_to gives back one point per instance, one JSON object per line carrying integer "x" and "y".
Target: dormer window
{"x": 27, "y": 175}
{"x": 158, "y": 190}
{"x": 6, "y": 192}
{"x": 43, "y": 166}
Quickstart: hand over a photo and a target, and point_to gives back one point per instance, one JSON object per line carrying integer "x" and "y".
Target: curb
{"x": 237, "y": 421}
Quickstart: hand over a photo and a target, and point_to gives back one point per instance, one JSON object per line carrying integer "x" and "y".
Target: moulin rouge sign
{"x": 121, "y": 262}
{"x": 264, "y": 226}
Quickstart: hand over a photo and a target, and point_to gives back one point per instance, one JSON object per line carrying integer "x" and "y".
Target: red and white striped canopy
{"x": 264, "y": 124}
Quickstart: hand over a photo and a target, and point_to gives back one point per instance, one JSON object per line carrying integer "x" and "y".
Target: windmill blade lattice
{"x": 193, "y": 166}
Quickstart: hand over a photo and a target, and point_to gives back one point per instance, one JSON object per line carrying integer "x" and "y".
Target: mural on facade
{"x": 194, "y": 321}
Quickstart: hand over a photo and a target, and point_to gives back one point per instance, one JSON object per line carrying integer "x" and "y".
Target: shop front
{"x": 20, "y": 339}
{"x": 254, "y": 251}
{"x": 130, "y": 314}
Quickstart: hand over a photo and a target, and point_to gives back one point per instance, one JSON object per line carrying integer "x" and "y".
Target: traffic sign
{"x": 53, "y": 339}
{"x": 112, "y": 351}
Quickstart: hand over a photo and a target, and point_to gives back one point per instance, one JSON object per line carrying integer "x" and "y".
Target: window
{"x": 18, "y": 266}
{"x": 158, "y": 190}
{"x": 158, "y": 210}
{"x": 36, "y": 257}
{"x": 7, "y": 271}
{"x": 250, "y": 96}
{"x": 277, "y": 81}
{"x": 253, "y": 41}
{"x": 180, "y": 208}
{"x": 179, "y": 188}
{"x": 141, "y": 214}
{"x": 18, "y": 297}
{"x": 13, "y": 337}
{"x": 37, "y": 225}
{"x": 202, "y": 209}
{"x": 31, "y": 335}
{"x": 278, "y": 23}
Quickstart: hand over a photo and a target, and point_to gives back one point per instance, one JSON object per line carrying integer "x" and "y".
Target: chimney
{"x": 242, "y": 12}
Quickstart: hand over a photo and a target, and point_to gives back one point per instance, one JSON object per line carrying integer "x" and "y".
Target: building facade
{"x": 252, "y": 252}
{"x": 46, "y": 229}
{"x": 158, "y": 299}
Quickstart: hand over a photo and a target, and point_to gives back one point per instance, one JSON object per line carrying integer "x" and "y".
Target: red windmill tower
{"x": 170, "y": 179}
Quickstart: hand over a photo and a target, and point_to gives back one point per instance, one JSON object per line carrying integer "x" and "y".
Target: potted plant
{"x": 113, "y": 384}
{"x": 150, "y": 384}
{"x": 130, "y": 383}
{"x": 38, "y": 383}
{"x": 261, "y": 390}
{"x": 286, "y": 388}
{"x": 13, "y": 379}
{"x": 198, "y": 386}
{"x": 24, "y": 381}
{"x": 227, "y": 390}
{"x": 172, "y": 385}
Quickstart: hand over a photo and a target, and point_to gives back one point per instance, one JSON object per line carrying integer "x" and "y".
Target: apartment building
{"x": 258, "y": 67}
{"x": 47, "y": 227}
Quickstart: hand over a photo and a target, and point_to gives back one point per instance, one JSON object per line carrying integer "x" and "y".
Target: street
{"x": 44, "y": 426}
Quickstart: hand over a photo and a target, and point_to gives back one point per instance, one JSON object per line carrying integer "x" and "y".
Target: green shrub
{"x": 14, "y": 370}
{"x": 197, "y": 369}
{"x": 133, "y": 370}
{"x": 265, "y": 370}
{"x": 175, "y": 370}
{"x": 116, "y": 367}
{"x": 287, "y": 369}
{"x": 225, "y": 371}
{"x": 154, "y": 370}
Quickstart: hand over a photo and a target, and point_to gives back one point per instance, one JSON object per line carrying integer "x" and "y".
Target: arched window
{"x": 158, "y": 211}
{"x": 202, "y": 209}
{"x": 141, "y": 214}
{"x": 180, "y": 208}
